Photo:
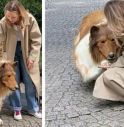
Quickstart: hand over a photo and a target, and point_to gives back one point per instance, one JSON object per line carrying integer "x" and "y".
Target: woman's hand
{"x": 30, "y": 64}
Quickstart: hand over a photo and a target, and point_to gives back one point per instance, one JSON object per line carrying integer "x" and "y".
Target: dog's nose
{"x": 16, "y": 87}
{"x": 111, "y": 55}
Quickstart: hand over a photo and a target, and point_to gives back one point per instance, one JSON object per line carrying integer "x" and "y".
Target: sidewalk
{"x": 69, "y": 102}
{"x": 27, "y": 121}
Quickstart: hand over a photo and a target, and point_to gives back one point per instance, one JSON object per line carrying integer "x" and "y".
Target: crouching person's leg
{"x": 114, "y": 80}
{"x": 109, "y": 86}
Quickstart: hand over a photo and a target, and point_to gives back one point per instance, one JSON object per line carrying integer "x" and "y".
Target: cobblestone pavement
{"x": 27, "y": 121}
{"x": 69, "y": 102}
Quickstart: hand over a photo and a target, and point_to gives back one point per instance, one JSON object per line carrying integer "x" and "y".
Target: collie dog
{"x": 94, "y": 44}
{"x": 7, "y": 81}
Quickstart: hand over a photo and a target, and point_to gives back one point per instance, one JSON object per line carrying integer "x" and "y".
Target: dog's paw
{"x": 1, "y": 122}
{"x": 104, "y": 64}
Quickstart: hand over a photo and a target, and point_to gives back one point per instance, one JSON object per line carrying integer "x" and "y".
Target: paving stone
{"x": 59, "y": 109}
{"x": 28, "y": 121}
{"x": 69, "y": 101}
{"x": 66, "y": 125}
{"x": 72, "y": 114}
{"x": 51, "y": 118}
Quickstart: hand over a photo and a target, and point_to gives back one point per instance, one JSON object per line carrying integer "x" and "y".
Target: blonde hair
{"x": 16, "y": 6}
{"x": 114, "y": 12}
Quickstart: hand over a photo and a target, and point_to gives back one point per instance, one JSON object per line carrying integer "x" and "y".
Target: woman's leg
{"x": 115, "y": 81}
{"x": 110, "y": 85}
{"x": 30, "y": 90}
{"x": 14, "y": 98}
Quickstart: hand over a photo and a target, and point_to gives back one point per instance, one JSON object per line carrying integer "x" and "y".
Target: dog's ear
{"x": 94, "y": 31}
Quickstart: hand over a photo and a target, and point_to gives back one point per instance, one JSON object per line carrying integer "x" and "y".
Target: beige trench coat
{"x": 30, "y": 37}
{"x": 110, "y": 84}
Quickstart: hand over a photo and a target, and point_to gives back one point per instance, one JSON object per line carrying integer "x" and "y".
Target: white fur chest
{"x": 84, "y": 61}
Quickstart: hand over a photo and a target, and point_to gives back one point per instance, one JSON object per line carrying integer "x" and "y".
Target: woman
{"x": 110, "y": 85}
{"x": 21, "y": 39}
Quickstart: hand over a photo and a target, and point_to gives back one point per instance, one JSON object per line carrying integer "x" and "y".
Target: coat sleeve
{"x": 34, "y": 40}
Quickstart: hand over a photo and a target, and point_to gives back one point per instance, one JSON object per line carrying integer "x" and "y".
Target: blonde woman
{"x": 21, "y": 39}
{"x": 110, "y": 85}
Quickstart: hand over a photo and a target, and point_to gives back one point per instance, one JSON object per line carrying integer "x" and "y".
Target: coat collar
{"x": 26, "y": 22}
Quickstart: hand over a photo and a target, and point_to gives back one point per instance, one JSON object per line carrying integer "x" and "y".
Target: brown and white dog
{"x": 7, "y": 80}
{"x": 93, "y": 44}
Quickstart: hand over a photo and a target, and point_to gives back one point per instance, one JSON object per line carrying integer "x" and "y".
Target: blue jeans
{"x": 30, "y": 90}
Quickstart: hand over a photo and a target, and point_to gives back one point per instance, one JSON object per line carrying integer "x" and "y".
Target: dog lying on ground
{"x": 7, "y": 81}
{"x": 94, "y": 44}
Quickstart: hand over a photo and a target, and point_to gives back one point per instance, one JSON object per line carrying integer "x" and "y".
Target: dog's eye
{"x": 112, "y": 40}
{"x": 102, "y": 41}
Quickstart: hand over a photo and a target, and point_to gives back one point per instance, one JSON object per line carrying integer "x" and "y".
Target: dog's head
{"x": 102, "y": 44}
{"x": 7, "y": 75}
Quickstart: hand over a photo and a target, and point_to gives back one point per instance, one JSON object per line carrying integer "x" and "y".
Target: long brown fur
{"x": 102, "y": 42}
{"x": 7, "y": 78}
{"x": 7, "y": 81}
{"x": 95, "y": 18}
{"x": 88, "y": 21}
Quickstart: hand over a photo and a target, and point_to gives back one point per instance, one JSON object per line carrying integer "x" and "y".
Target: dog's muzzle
{"x": 112, "y": 57}
{"x": 13, "y": 89}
